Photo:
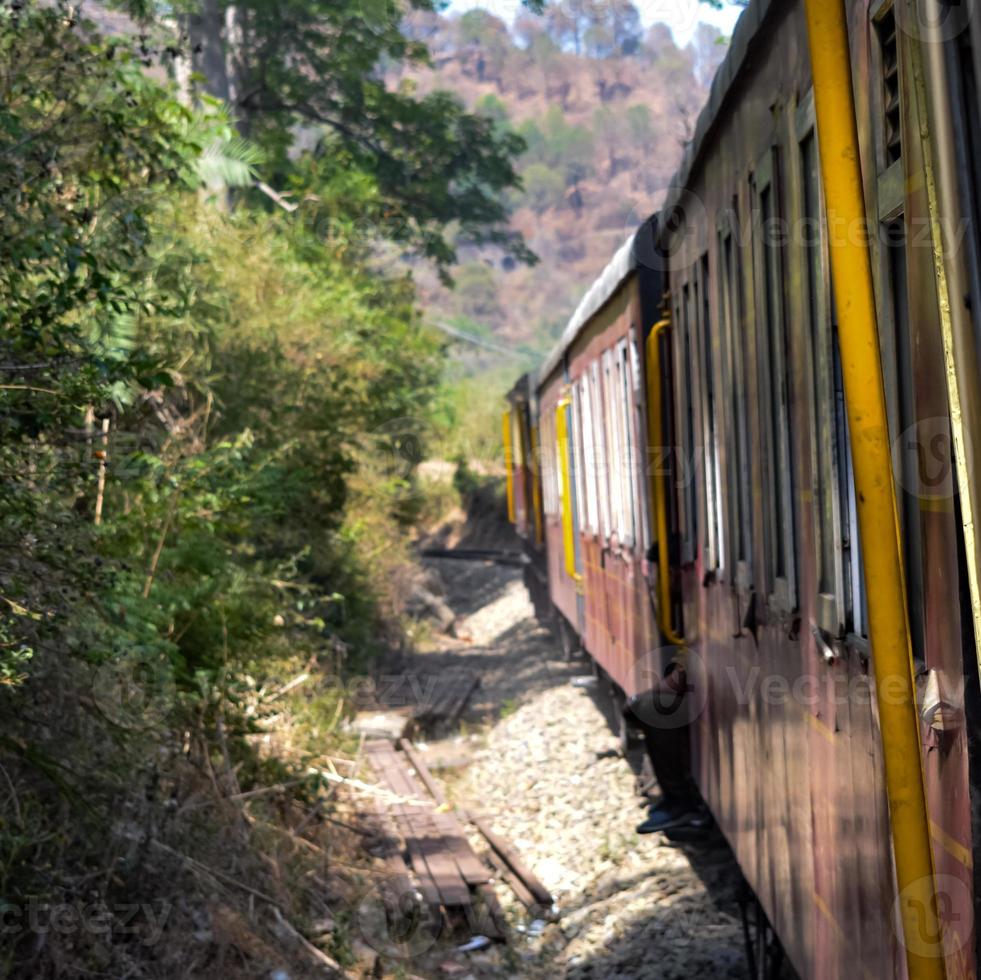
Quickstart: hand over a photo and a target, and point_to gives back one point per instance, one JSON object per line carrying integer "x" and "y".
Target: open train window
{"x": 550, "y": 501}
{"x": 601, "y": 458}
{"x": 739, "y": 475}
{"x": 577, "y": 452}
{"x": 769, "y": 242}
{"x": 889, "y": 94}
{"x": 629, "y": 461}
{"x": 687, "y": 465}
{"x": 840, "y": 606}
{"x": 614, "y": 441}
{"x": 588, "y": 467}
{"x": 641, "y": 502}
{"x": 710, "y": 436}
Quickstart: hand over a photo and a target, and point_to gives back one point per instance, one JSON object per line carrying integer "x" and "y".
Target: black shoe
{"x": 668, "y": 817}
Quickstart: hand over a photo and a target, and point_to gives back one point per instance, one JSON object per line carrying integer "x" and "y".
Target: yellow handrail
{"x": 509, "y": 463}
{"x": 878, "y": 517}
{"x": 659, "y": 480}
{"x": 565, "y": 489}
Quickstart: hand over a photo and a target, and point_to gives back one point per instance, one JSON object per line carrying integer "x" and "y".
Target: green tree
{"x": 544, "y": 188}
{"x": 568, "y": 146}
{"x": 319, "y": 64}
{"x": 491, "y": 107}
{"x": 476, "y": 292}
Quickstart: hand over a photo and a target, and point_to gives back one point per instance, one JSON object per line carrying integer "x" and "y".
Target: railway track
{"x": 537, "y": 763}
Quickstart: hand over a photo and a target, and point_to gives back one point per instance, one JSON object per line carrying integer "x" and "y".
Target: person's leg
{"x": 670, "y": 754}
{"x": 661, "y": 716}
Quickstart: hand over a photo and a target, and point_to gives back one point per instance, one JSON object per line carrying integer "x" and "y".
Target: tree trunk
{"x": 206, "y": 30}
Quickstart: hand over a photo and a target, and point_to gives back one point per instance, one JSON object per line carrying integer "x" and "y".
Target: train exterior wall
{"x": 609, "y": 605}
{"x": 787, "y": 748}
{"x": 796, "y": 781}
{"x": 620, "y": 632}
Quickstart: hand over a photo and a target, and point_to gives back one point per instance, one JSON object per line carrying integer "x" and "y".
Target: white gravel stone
{"x": 545, "y": 771}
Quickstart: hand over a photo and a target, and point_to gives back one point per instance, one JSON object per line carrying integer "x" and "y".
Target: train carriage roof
{"x": 625, "y": 261}
{"x": 747, "y": 28}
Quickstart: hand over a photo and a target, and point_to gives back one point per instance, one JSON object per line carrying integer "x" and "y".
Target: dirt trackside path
{"x": 538, "y": 758}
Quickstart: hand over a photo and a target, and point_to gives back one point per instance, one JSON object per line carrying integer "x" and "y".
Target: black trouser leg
{"x": 670, "y": 756}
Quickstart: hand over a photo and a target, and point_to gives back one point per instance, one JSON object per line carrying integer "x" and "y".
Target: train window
{"x": 686, "y": 465}
{"x": 588, "y": 467}
{"x": 713, "y": 491}
{"x": 840, "y": 599}
{"x": 902, "y": 410}
{"x": 891, "y": 132}
{"x": 611, "y": 373}
{"x": 641, "y": 502}
{"x": 627, "y": 462}
{"x": 576, "y": 451}
{"x": 550, "y": 504}
{"x": 601, "y": 459}
{"x": 741, "y": 508}
{"x": 773, "y": 388}
{"x": 622, "y": 455}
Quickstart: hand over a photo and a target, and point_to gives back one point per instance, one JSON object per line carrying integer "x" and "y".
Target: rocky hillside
{"x": 605, "y": 110}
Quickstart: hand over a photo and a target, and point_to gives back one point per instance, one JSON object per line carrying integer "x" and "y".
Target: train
{"x": 754, "y": 446}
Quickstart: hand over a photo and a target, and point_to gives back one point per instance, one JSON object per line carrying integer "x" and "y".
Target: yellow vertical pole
{"x": 565, "y": 488}
{"x": 659, "y": 479}
{"x": 509, "y": 463}
{"x": 878, "y": 517}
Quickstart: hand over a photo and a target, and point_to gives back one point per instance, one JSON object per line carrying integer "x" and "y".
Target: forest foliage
{"x": 215, "y": 383}
{"x": 604, "y": 105}
{"x": 208, "y": 372}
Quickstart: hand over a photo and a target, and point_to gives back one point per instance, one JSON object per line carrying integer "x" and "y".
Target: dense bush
{"x": 198, "y": 490}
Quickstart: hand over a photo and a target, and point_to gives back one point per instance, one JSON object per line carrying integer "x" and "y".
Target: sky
{"x": 682, "y": 16}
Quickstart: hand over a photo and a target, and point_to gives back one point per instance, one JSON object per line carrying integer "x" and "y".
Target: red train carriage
{"x": 740, "y": 542}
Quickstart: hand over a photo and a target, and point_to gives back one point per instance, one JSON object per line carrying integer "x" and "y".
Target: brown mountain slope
{"x": 605, "y": 128}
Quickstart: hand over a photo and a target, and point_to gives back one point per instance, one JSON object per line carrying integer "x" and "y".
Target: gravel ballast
{"x": 537, "y": 756}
